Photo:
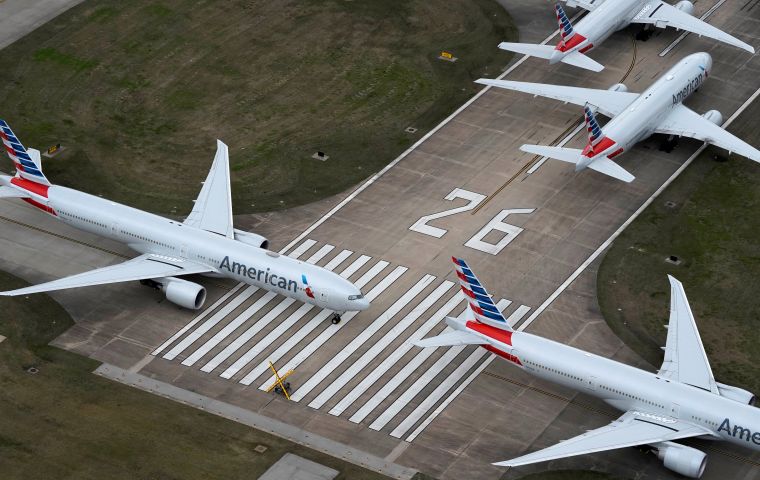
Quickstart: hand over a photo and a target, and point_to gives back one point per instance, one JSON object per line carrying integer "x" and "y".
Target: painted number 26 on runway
{"x": 497, "y": 223}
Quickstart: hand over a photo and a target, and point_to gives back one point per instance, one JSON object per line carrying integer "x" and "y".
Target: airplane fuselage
{"x": 641, "y": 118}
{"x": 625, "y": 387}
{"x": 606, "y": 19}
{"x": 144, "y": 232}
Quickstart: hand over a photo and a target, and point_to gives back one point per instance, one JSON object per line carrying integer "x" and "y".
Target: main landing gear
{"x": 335, "y": 318}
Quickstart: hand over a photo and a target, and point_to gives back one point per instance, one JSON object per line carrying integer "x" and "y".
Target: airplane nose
{"x": 705, "y": 60}
{"x": 362, "y": 304}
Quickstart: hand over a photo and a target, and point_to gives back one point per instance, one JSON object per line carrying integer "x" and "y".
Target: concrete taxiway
{"x": 533, "y": 239}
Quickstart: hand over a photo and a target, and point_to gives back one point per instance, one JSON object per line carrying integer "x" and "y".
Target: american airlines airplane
{"x": 682, "y": 400}
{"x": 659, "y": 109}
{"x": 609, "y": 16}
{"x": 205, "y": 243}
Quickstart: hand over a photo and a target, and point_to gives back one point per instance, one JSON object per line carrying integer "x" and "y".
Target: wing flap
{"x": 213, "y": 207}
{"x": 608, "y": 102}
{"x": 685, "y": 122}
{"x": 630, "y": 430}
{"x": 662, "y": 15}
{"x": 139, "y": 268}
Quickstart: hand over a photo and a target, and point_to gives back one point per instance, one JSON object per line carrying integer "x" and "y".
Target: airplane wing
{"x": 608, "y": 102}
{"x": 213, "y": 207}
{"x": 662, "y": 15}
{"x": 630, "y": 430}
{"x": 139, "y": 268}
{"x": 687, "y": 123}
{"x": 685, "y": 357}
{"x": 585, "y": 4}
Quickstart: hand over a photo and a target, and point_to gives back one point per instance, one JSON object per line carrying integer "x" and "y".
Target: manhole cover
{"x": 33, "y": 370}
{"x": 260, "y": 449}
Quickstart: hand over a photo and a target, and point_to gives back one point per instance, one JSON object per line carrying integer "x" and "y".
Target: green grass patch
{"x": 142, "y": 89}
{"x": 65, "y": 422}
{"x": 713, "y": 229}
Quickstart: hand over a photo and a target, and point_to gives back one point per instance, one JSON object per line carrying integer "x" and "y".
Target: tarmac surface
{"x": 534, "y": 241}
{"x": 19, "y": 17}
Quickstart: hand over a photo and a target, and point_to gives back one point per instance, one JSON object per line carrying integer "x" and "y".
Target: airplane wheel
{"x": 335, "y": 319}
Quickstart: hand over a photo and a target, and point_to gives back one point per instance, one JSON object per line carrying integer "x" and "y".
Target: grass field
{"x": 65, "y": 422}
{"x": 138, "y": 91}
{"x": 713, "y": 229}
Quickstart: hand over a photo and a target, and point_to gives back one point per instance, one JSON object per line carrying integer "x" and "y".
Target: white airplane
{"x": 205, "y": 243}
{"x": 658, "y": 109}
{"x": 682, "y": 400}
{"x": 609, "y": 16}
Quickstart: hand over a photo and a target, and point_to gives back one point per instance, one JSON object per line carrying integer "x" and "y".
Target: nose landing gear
{"x": 335, "y": 318}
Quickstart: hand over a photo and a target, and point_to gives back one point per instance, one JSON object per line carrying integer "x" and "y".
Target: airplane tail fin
{"x": 575, "y": 156}
{"x": 565, "y": 27}
{"x": 28, "y": 162}
{"x": 550, "y": 53}
{"x": 592, "y": 127}
{"x": 479, "y": 301}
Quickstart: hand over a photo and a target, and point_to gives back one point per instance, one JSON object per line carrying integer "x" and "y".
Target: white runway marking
{"x": 379, "y": 345}
{"x": 331, "y": 330}
{"x": 247, "y": 314}
{"x": 360, "y": 339}
{"x": 391, "y": 360}
{"x": 235, "y": 345}
{"x": 427, "y": 377}
{"x": 302, "y": 332}
{"x": 439, "y": 392}
{"x": 227, "y": 309}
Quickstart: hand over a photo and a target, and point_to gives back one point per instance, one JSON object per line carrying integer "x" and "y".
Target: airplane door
{"x": 115, "y": 229}
{"x": 323, "y": 298}
{"x": 674, "y": 410}
{"x": 183, "y": 251}
{"x": 591, "y": 383}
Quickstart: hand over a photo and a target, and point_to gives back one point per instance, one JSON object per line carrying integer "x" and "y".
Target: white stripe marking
{"x": 448, "y": 400}
{"x": 302, "y": 332}
{"x": 419, "y": 142}
{"x": 377, "y": 347}
{"x": 389, "y": 361}
{"x": 235, "y": 345}
{"x": 246, "y": 315}
{"x": 439, "y": 392}
{"x": 226, "y": 310}
{"x": 426, "y": 377}
{"x": 360, "y": 339}
{"x": 331, "y": 330}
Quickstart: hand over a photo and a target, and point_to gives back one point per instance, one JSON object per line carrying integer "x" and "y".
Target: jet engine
{"x": 714, "y": 116}
{"x": 736, "y": 394}
{"x": 251, "y": 239}
{"x": 685, "y": 6}
{"x": 180, "y": 292}
{"x": 618, "y": 87}
{"x": 687, "y": 461}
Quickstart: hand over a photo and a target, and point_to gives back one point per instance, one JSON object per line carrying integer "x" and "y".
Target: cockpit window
{"x": 355, "y": 297}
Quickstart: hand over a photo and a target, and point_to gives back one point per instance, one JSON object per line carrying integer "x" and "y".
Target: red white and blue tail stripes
{"x": 592, "y": 126}
{"x": 565, "y": 27}
{"x": 480, "y": 301}
{"x": 26, "y": 167}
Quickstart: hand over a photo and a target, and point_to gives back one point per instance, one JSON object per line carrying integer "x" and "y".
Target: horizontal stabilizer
{"x": 608, "y": 167}
{"x": 450, "y": 338}
{"x": 540, "y": 51}
{"x": 569, "y": 155}
{"x": 9, "y": 192}
{"x": 577, "y": 59}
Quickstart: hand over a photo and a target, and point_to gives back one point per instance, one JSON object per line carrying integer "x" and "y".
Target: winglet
{"x": 479, "y": 300}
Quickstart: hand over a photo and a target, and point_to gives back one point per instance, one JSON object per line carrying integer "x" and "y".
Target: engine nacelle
{"x": 736, "y": 394}
{"x": 714, "y": 116}
{"x": 685, "y": 6}
{"x": 618, "y": 87}
{"x": 687, "y": 461}
{"x": 251, "y": 239}
{"x": 183, "y": 293}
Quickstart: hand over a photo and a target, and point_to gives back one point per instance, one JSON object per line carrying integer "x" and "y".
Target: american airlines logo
{"x": 739, "y": 432}
{"x": 688, "y": 89}
{"x": 258, "y": 275}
